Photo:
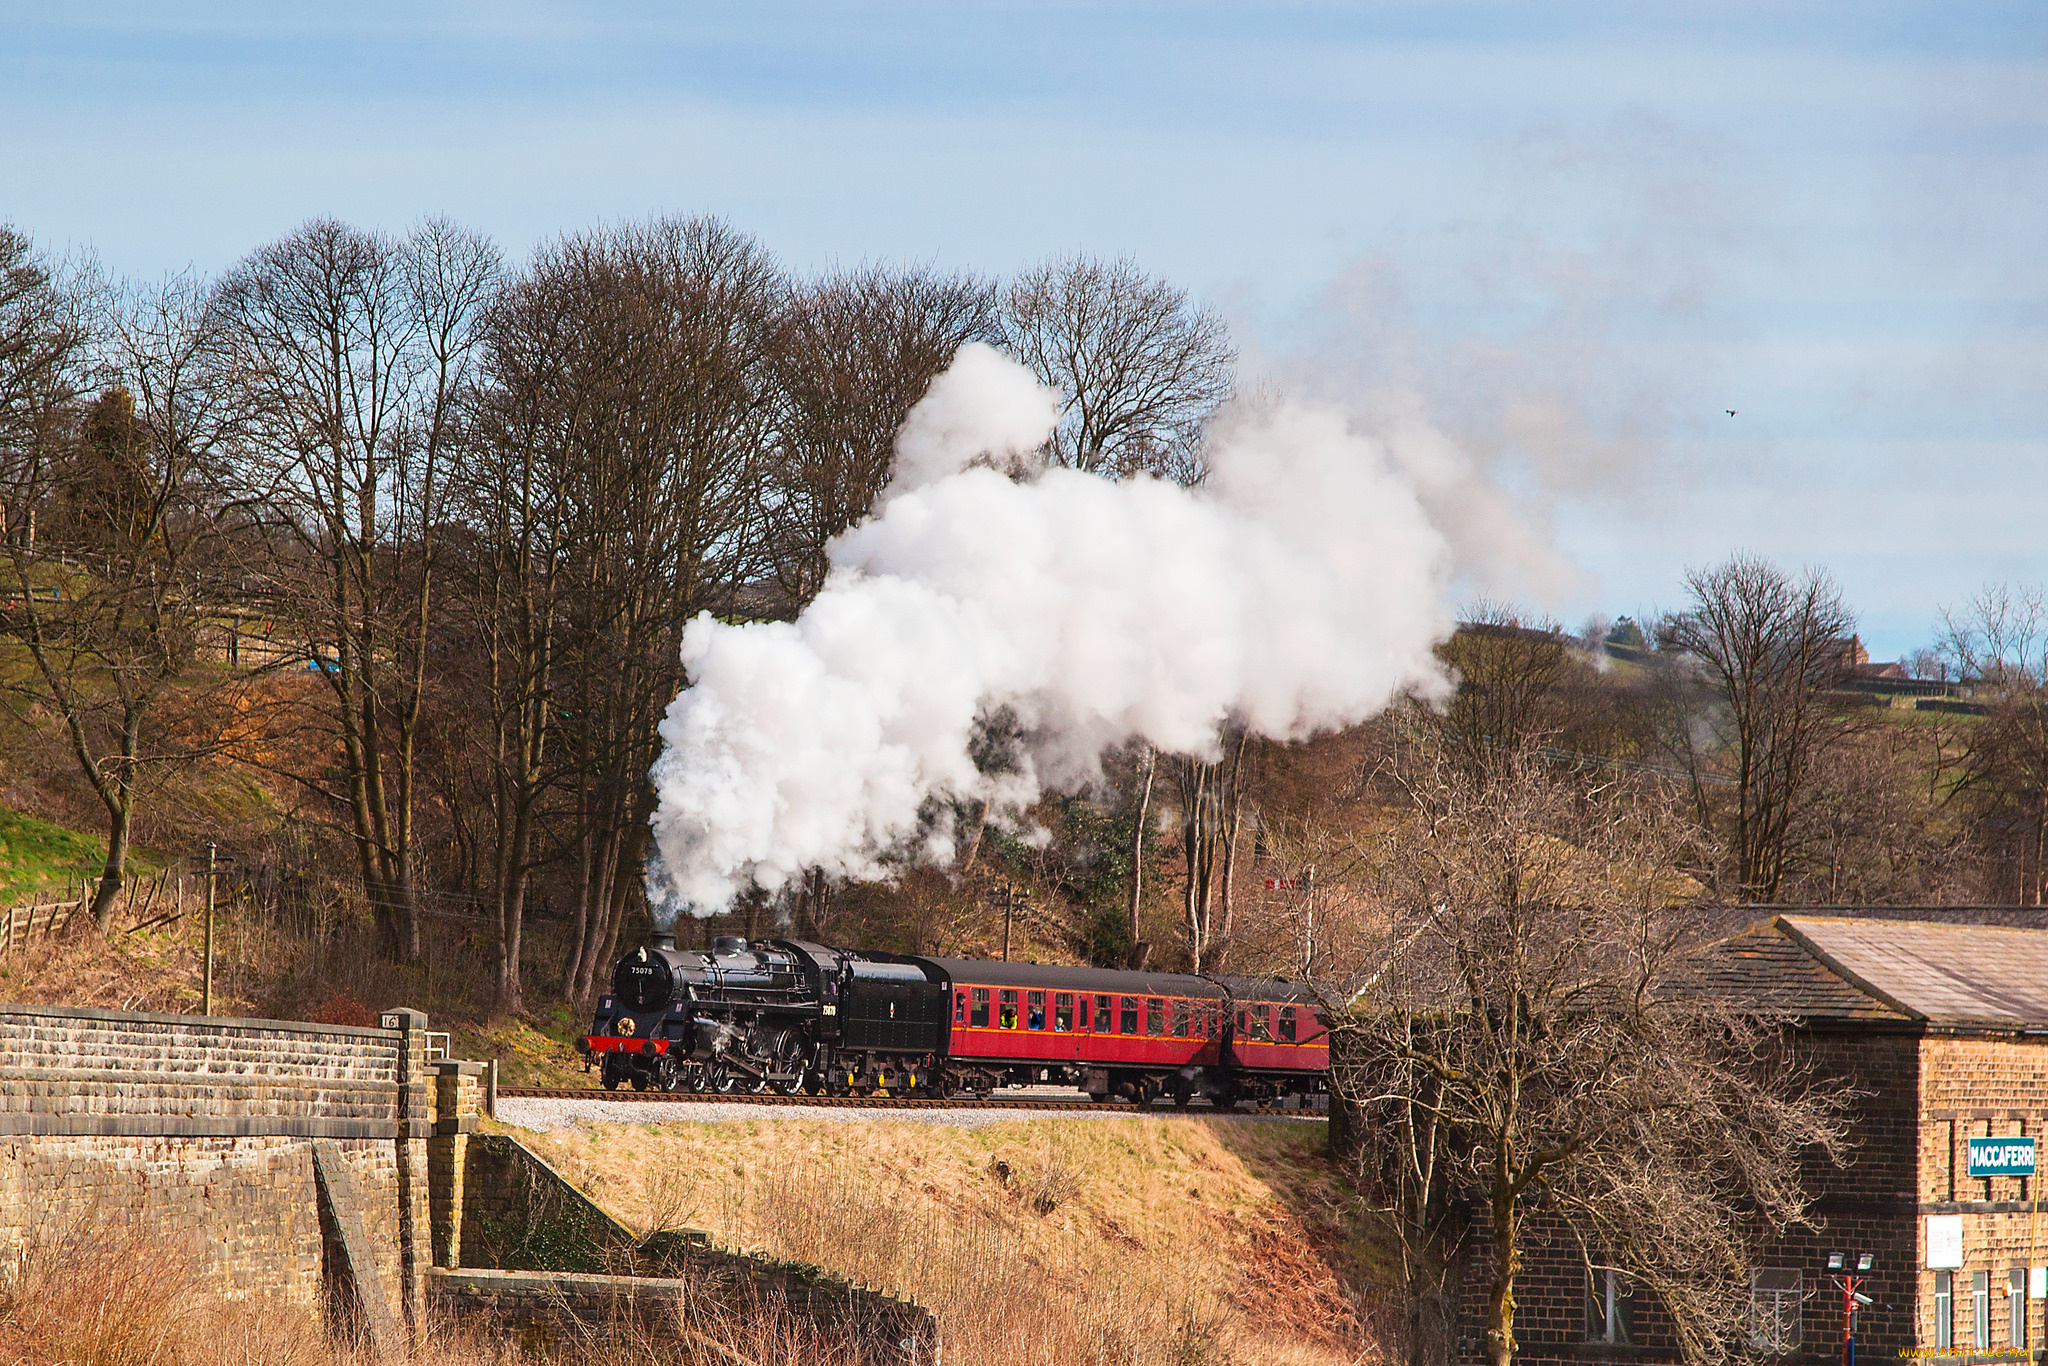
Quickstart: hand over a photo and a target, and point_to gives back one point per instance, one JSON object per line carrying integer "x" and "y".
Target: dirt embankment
{"x": 1129, "y": 1240}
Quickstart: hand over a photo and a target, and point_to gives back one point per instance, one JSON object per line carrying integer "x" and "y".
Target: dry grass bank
{"x": 111, "y": 1294}
{"x": 1135, "y": 1241}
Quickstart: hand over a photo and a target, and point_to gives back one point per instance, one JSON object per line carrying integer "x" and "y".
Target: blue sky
{"x": 1566, "y": 237}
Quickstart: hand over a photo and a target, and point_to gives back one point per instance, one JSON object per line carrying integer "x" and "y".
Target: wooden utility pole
{"x": 1009, "y": 914}
{"x": 206, "y": 1005}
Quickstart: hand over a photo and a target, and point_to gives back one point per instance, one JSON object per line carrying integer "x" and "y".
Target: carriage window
{"x": 1063, "y": 1013}
{"x": 1261, "y": 1024}
{"x": 1180, "y": 1019}
{"x": 1129, "y": 1023}
{"x": 1006, "y": 1010}
{"x": 979, "y": 1016}
{"x": 1155, "y": 1017}
{"x": 1103, "y": 1023}
{"x": 959, "y": 1007}
{"x": 1034, "y": 1015}
{"x": 1286, "y": 1024}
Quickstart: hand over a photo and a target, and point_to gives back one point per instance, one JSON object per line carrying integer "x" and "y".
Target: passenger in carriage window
{"x": 978, "y": 1018}
{"x": 1286, "y": 1024}
{"x": 1006, "y": 1009}
{"x": 1155, "y": 1017}
{"x": 1034, "y": 1014}
{"x": 1063, "y": 1013}
{"x": 1127, "y": 1022}
{"x": 1103, "y": 1023}
{"x": 959, "y": 1007}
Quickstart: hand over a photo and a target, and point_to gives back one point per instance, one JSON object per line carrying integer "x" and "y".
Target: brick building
{"x": 1942, "y": 1028}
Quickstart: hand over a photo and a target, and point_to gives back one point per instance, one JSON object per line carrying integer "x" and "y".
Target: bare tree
{"x": 1141, "y": 367}
{"x": 46, "y": 328}
{"x": 1532, "y": 1057}
{"x": 637, "y": 363}
{"x": 1998, "y": 642}
{"x": 1511, "y": 681}
{"x": 852, "y": 354}
{"x": 129, "y": 563}
{"x": 353, "y": 350}
{"x": 1211, "y": 821}
{"x": 1770, "y": 649}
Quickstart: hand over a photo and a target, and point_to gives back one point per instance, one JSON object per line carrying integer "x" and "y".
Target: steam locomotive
{"x": 790, "y": 1016}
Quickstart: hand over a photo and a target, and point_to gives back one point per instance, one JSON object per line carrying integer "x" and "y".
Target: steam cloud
{"x": 1300, "y": 590}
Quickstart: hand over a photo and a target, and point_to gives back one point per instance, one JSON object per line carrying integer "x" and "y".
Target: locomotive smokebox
{"x": 663, "y": 939}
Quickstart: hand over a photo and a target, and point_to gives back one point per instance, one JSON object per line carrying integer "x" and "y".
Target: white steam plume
{"x": 1300, "y": 590}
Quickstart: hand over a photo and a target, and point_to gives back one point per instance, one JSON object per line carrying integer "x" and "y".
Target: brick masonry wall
{"x": 1980, "y": 1085}
{"x": 201, "y": 1129}
{"x": 1867, "y": 1205}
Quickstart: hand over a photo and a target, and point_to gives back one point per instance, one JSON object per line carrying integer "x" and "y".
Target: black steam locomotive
{"x": 790, "y": 1016}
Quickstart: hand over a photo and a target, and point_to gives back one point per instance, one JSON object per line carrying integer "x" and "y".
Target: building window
{"x": 1980, "y": 1310}
{"x": 1607, "y": 1306}
{"x": 1944, "y": 1309}
{"x": 2016, "y": 1306}
{"x": 1775, "y": 1297}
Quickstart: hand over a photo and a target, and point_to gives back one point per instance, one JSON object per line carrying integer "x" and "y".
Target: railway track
{"x": 623, "y": 1097}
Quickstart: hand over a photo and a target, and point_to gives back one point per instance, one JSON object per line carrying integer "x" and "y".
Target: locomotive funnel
{"x": 663, "y": 939}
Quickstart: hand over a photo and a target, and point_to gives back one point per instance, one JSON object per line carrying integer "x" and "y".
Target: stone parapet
{"x": 103, "y": 1073}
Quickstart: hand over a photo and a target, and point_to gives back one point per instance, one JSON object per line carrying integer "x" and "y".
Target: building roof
{"x": 1845, "y": 967}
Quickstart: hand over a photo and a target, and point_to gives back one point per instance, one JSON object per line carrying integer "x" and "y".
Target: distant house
{"x": 1942, "y": 1028}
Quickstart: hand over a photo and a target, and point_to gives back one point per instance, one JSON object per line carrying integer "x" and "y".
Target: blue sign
{"x": 2001, "y": 1157}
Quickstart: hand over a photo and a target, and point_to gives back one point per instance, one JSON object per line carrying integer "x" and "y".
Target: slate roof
{"x": 1841, "y": 967}
{"x": 1983, "y": 975}
{"x": 1769, "y": 969}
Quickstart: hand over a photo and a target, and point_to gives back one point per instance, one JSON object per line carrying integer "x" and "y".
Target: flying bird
{"x": 1729, "y": 411}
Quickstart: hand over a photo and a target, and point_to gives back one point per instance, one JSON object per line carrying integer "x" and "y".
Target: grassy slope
{"x": 1136, "y": 1240}
{"x": 36, "y": 855}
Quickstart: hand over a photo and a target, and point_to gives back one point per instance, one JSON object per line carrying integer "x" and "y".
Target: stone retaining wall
{"x": 201, "y": 1130}
{"x": 321, "y": 1164}
{"x": 520, "y": 1215}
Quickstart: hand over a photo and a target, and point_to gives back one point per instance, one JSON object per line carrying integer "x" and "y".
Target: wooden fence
{"x": 20, "y": 924}
{"x": 148, "y": 900}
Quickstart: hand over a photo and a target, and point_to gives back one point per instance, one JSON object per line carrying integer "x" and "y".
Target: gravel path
{"x": 554, "y": 1114}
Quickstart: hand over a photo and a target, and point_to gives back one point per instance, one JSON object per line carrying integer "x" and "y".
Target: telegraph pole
{"x": 206, "y": 1008}
{"x": 1009, "y": 914}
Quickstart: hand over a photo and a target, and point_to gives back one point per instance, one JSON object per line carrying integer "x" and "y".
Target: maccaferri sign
{"x": 2001, "y": 1157}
